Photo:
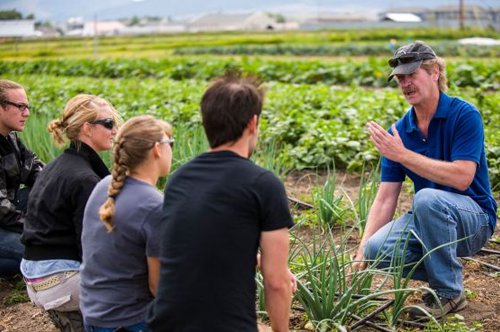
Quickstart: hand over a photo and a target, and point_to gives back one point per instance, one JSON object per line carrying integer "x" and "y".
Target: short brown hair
{"x": 8, "y": 85}
{"x": 228, "y": 105}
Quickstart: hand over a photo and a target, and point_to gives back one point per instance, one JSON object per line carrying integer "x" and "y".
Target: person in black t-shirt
{"x": 219, "y": 209}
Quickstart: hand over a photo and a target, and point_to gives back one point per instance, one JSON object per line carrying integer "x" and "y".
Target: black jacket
{"x": 18, "y": 165}
{"x": 53, "y": 222}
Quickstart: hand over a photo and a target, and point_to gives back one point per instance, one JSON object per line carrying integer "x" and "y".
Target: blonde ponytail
{"x": 55, "y": 128}
{"x": 78, "y": 110}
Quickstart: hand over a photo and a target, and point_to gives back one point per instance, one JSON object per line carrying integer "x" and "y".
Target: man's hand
{"x": 359, "y": 263}
{"x": 390, "y": 146}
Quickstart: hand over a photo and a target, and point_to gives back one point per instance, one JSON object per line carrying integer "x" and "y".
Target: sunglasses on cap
{"x": 410, "y": 57}
{"x": 108, "y": 123}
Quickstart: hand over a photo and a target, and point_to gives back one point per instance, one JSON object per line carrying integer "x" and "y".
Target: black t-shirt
{"x": 215, "y": 208}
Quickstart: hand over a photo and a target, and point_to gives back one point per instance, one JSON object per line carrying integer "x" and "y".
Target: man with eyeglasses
{"x": 439, "y": 145}
{"x": 18, "y": 166}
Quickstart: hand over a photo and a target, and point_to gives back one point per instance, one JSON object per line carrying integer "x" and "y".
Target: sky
{"x": 59, "y": 10}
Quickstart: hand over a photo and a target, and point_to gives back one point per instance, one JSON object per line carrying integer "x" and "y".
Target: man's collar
{"x": 443, "y": 106}
{"x": 441, "y": 113}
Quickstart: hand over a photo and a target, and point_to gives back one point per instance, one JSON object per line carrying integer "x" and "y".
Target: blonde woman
{"x": 120, "y": 238}
{"x": 53, "y": 222}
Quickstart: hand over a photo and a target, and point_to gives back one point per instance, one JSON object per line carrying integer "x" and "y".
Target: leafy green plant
{"x": 453, "y": 325}
{"x": 269, "y": 156}
{"x": 371, "y": 73}
{"x": 310, "y": 125}
{"x": 328, "y": 204}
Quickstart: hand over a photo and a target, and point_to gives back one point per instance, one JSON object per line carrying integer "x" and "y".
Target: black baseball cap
{"x": 407, "y": 59}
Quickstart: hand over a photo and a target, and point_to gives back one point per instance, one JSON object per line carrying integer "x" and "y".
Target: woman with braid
{"x": 53, "y": 222}
{"x": 120, "y": 237}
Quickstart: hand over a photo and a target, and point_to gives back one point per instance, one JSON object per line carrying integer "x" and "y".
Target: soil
{"x": 481, "y": 283}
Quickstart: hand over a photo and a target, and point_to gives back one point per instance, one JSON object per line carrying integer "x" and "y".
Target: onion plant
{"x": 368, "y": 187}
{"x": 269, "y": 156}
{"x": 326, "y": 288}
{"x": 190, "y": 141}
{"x": 37, "y": 138}
{"x": 334, "y": 296}
{"x": 328, "y": 204}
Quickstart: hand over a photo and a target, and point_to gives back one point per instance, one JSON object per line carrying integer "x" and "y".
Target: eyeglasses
{"x": 108, "y": 123}
{"x": 410, "y": 57}
{"x": 169, "y": 141}
{"x": 22, "y": 107}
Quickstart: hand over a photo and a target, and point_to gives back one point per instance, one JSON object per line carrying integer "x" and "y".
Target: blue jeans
{"x": 438, "y": 217}
{"x": 11, "y": 248}
{"x": 139, "y": 327}
{"x": 11, "y": 253}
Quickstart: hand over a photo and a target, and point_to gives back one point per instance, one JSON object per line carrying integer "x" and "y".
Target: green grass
{"x": 17, "y": 293}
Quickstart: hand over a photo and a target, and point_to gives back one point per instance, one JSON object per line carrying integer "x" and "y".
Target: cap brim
{"x": 405, "y": 69}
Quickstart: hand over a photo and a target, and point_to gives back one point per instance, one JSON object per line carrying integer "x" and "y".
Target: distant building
{"x": 17, "y": 28}
{"x": 401, "y": 17}
{"x": 257, "y": 21}
{"x": 449, "y": 16}
{"x": 74, "y": 24}
{"x": 337, "y": 21}
{"x": 421, "y": 12}
{"x": 47, "y": 32}
{"x": 154, "y": 28}
{"x": 102, "y": 28}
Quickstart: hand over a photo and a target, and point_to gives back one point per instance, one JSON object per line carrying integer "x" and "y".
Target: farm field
{"x": 322, "y": 88}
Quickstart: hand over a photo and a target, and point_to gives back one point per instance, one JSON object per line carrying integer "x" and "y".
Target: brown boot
{"x": 436, "y": 309}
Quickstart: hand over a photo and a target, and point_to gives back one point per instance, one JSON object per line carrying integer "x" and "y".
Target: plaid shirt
{"x": 18, "y": 165}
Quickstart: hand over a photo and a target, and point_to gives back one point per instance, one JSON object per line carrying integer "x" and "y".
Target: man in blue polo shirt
{"x": 439, "y": 145}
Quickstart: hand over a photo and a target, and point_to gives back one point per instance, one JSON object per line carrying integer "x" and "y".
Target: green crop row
{"x": 444, "y": 49}
{"x": 143, "y": 46}
{"x": 372, "y": 73}
{"x": 313, "y": 125}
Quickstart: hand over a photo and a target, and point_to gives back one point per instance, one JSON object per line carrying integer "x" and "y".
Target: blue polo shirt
{"x": 455, "y": 133}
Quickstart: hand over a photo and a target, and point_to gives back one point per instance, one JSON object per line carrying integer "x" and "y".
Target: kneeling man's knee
{"x": 371, "y": 249}
{"x": 425, "y": 198}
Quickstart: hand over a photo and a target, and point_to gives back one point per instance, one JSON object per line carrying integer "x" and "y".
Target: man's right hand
{"x": 359, "y": 262}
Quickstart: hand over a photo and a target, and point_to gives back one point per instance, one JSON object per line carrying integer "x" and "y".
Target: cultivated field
{"x": 322, "y": 88}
